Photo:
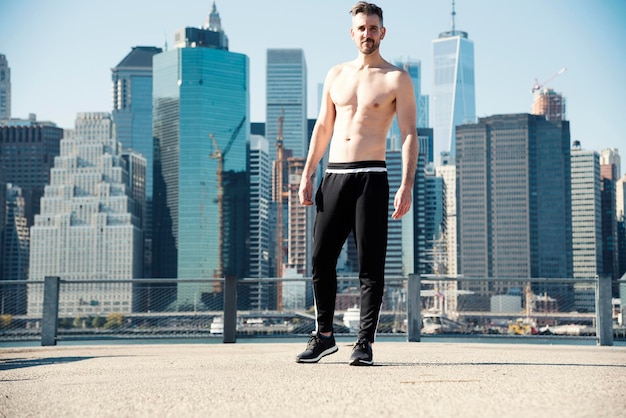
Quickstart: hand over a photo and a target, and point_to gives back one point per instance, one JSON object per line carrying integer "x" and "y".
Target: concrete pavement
{"x": 426, "y": 379}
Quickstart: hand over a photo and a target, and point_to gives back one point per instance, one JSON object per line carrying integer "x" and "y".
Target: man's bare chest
{"x": 363, "y": 91}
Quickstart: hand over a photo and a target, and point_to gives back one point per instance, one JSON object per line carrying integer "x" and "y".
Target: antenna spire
{"x": 453, "y": 15}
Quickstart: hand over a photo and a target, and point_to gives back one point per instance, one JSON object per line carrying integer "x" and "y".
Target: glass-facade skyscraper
{"x": 200, "y": 128}
{"x": 286, "y": 95}
{"x": 132, "y": 103}
{"x": 453, "y": 100}
{"x": 132, "y": 115}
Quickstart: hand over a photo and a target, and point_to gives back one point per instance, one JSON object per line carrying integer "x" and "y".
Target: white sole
{"x": 324, "y": 353}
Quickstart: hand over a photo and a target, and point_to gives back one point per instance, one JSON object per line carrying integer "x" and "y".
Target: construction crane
{"x": 219, "y": 156}
{"x": 538, "y": 86}
{"x": 278, "y": 196}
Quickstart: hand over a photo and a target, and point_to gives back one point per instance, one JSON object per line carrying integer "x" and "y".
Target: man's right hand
{"x": 306, "y": 191}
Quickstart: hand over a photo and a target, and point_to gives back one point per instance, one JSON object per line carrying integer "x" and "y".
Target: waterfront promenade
{"x": 426, "y": 379}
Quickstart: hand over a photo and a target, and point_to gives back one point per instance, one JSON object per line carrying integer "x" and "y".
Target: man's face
{"x": 367, "y": 32}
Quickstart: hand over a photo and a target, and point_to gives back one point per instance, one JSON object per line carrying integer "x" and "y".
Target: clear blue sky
{"x": 61, "y": 52}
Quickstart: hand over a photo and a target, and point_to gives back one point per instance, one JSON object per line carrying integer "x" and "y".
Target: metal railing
{"x": 414, "y": 307}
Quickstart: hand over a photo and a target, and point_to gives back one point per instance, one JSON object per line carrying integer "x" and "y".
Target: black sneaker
{"x": 362, "y": 353}
{"x": 317, "y": 348}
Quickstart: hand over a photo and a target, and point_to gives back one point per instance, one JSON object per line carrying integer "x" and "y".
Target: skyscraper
{"x": 453, "y": 99}
{"x": 200, "y": 129}
{"x": 260, "y": 196}
{"x": 400, "y": 247}
{"x": 132, "y": 114}
{"x": 14, "y": 251}
{"x": 423, "y": 220}
{"x": 586, "y": 213}
{"x": 414, "y": 69}
{"x": 27, "y": 151}
{"x": 447, "y": 171}
{"x": 620, "y": 199}
{"x": 610, "y": 167}
{"x": 514, "y": 204}
{"x": 5, "y": 89}
{"x": 86, "y": 229}
{"x": 132, "y": 103}
{"x": 286, "y": 95}
{"x": 260, "y": 172}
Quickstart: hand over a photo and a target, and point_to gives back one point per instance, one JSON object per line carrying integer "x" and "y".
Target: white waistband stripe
{"x": 356, "y": 170}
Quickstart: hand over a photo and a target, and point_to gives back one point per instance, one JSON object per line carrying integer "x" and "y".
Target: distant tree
{"x": 114, "y": 320}
{"x": 98, "y": 321}
{"x": 78, "y": 322}
{"x": 5, "y": 321}
{"x": 65, "y": 323}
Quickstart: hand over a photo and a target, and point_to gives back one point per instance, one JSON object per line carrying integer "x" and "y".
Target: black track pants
{"x": 351, "y": 197}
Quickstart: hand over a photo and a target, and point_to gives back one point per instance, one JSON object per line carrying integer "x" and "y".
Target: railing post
{"x": 230, "y": 309}
{"x": 414, "y": 321}
{"x": 604, "y": 316}
{"x": 50, "y": 317}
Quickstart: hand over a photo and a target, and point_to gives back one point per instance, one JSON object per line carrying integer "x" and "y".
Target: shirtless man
{"x": 360, "y": 100}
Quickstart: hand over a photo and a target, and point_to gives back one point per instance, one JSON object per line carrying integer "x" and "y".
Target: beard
{"x": 369, "y": 46}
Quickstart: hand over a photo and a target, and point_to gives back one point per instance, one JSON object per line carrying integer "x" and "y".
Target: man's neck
{"x": 369, "y": 60}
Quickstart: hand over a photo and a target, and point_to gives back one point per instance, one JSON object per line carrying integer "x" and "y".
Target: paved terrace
{"x": 428, "y": 379}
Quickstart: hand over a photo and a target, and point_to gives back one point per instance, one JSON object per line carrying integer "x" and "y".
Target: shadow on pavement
{"x": 11, "y": 364}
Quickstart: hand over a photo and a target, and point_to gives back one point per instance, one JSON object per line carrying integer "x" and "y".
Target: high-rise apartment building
{"x": 453, "y": 99}
{"x": 86, "y": 229}
{"x": 550, "y": 104}
{"x": 514, "y": 201}
{"x": 5, "y": 89}
{"x": 286, "y": 97}
{"x": 200, "y": 128}
{"x": 586, "y": 213}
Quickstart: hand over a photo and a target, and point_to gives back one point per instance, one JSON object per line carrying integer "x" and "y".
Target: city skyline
{"x": 515, "y": 43}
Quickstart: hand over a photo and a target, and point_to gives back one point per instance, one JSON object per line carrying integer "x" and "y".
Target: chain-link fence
{"x": 151, "y": 308}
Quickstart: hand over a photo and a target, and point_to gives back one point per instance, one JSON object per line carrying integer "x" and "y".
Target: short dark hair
{"x": 368, "y": 9}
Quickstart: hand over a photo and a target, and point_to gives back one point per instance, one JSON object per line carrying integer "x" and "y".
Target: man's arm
{"x": 406, "y": 111}
{"x": 320, "y": 138}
